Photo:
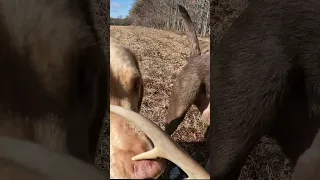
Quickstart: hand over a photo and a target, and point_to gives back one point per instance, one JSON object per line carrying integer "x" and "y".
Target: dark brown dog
{"x": 265, "y": 81}
{"x": 192, "y": 85}
{"x": 53, "y": 75}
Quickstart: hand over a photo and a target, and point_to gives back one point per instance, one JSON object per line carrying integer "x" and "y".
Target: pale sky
{"x": 120, "y": 8}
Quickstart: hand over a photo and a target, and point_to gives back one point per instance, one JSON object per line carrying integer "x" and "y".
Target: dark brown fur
{"x": 53, "y": 75}
{"x": 192, "y": 85}
{"x": 265, "y": 81}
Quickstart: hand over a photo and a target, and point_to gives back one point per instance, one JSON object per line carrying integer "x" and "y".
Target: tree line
{"x": 164, "y": 14}
{"x": 210, "y": 17}
{"x": 120, "y": 21}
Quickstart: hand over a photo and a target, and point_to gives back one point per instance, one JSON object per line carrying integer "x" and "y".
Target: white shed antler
{"x": 164, "y": 146}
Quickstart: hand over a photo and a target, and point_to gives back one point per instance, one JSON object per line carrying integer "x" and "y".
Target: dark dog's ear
{"x": 190, "y": 32}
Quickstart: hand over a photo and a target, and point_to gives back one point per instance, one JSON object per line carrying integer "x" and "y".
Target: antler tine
{"x": 165, "y": 147}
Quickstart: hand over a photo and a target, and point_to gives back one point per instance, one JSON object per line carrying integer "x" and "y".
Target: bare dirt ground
{"x": 162, "y": 55}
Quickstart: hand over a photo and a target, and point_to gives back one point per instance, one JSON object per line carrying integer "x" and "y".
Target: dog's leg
{"x": 243, "y": 108}
{"x": 294, "y": 129}
{"x": 236, "y": 129}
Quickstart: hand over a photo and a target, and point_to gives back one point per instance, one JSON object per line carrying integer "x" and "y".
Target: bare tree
{"x": 164, "y": 14}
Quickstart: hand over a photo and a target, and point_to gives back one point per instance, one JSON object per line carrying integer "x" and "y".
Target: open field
{"x": 162, "y": 55}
